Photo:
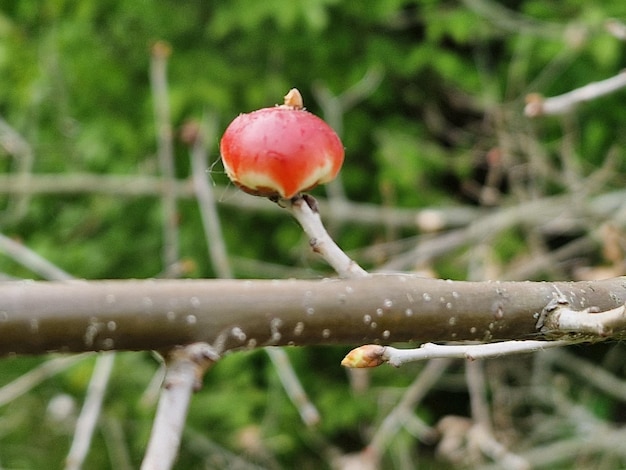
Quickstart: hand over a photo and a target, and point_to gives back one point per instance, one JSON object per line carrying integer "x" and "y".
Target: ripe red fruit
{"x": 280, "y": 151}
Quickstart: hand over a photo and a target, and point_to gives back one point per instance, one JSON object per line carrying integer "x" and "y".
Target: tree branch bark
{"x": 74, "y": 316}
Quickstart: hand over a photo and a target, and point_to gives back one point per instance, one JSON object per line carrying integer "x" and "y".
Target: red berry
{"x": 280, "y": 151}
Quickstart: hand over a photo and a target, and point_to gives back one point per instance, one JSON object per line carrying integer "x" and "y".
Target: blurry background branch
{"x": 127, "y": 186}
{"x": 442, "y": 228}
{"x": 537, "y": 105}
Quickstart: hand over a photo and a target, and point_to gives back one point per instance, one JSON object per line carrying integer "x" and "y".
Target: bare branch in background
{"x": 428, "y": 219}
{"x": 593, "y": 375}
{"x": 26, "y": 382}
{"x": 31, "y": 260}
{"x": 537, "y": 105}
{"x": 559, "y": 213}
{"x": 394, "y": 421}
{"x": 481, "y": 435}
{"x": 616, "y": 28}
{"x": 293, "y": 387}
{"x": 207, "y": 204}
{"x": 90, "y": 412}
{"x": 334, "y": 107}
{"x": 165, "y": 151}
{"x": 510, "y": 20}
{"x": 17, "y": 146}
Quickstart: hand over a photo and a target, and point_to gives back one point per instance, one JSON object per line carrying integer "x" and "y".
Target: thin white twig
{"x": 90, "y": 412}
{"x": 183, "y": 377}
{"x": 304, "y": 209}
{"x": 372, "y": 355}
{"x": 536, "y": 105}
{"x": 170, "y": 417}
{"x": 397, "y": 357}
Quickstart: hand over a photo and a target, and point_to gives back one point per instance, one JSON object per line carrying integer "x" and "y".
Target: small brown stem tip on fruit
{"x": 293, "y": 99}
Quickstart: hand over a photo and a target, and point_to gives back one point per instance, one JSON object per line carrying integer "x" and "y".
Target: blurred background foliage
{"x": 448, "y": 82}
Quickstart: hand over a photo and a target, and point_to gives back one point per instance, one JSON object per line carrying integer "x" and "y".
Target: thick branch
{"x": 36, "y": 317}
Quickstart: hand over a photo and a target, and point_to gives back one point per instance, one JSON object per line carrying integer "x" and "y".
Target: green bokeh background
{"x": 74, "y": 82}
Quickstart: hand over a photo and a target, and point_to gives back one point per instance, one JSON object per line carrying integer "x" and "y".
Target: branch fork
{"x": 558, "y": 317}
{"x": 200, "y": 356}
